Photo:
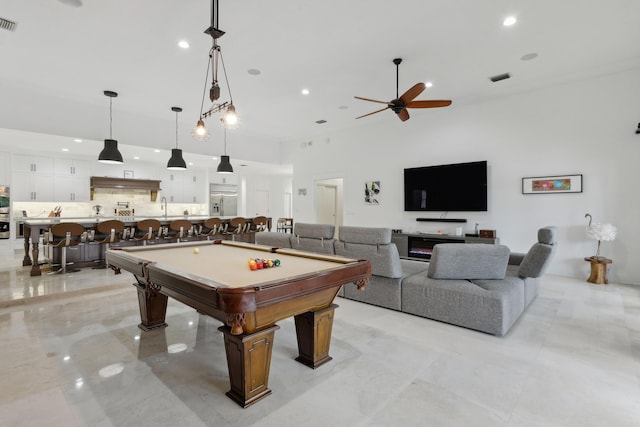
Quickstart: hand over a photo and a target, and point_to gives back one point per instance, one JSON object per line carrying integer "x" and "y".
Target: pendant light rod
{"x": 176, "y": 110}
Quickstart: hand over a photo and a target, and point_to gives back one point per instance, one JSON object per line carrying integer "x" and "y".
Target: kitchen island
{"x": 90, "y": 253}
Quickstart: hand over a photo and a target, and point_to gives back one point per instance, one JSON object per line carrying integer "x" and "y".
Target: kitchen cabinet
{"x": 31, "y": 178}
{"x": 188, "y": 186}
{"x": 4, "y": 168}
{"x": 71, "y": 180}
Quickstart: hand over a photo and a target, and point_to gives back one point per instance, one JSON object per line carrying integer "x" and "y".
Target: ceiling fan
{"x": 401, "y": 103}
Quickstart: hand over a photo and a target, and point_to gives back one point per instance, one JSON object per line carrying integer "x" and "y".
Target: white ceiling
{"x": 61, "y": 57}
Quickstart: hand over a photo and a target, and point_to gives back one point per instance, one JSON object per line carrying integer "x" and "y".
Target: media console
{"x": 419, "y": 246}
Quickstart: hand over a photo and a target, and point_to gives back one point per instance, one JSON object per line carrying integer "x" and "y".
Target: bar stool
{"x": 180, "y": 229}
{"x": 285, "y": 225}
{"x": 64, "y": 235}
{"x": 212, "y": 227}
{"x": 237, "y": 226}
{"x": 259, "y": 223}
{"x": 147, "y": 229}
{"x": 110, "y": 231}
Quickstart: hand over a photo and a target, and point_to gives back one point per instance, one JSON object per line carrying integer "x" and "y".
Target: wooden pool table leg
{"x": 313, "y": 329}
{"x": 153, "y": 309}
{"x": 249, "y": 360}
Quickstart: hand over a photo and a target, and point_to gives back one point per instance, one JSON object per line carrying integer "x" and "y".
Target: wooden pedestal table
{"x": 598, "y": 270}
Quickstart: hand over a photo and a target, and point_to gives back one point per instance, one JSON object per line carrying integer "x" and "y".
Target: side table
{"x": 598, "y": 270}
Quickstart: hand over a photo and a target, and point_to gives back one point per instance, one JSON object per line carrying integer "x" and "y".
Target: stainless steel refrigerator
{"x": 223, "y": 200}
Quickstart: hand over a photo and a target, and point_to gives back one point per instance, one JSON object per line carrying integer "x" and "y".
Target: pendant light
{"x": 225, "y": 164}
{"x": 228, "y": 110}
{"x": 176, "y": 162}
{"x": 110, "y": 153}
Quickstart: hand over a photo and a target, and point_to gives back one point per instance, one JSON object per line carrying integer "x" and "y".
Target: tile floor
{"x": 72, "y": 355}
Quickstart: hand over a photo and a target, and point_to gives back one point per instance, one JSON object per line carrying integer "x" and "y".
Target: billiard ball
{"x": 196, "y": 250}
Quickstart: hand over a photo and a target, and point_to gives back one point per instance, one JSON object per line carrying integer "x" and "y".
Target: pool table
{"x": 214, "y": 278}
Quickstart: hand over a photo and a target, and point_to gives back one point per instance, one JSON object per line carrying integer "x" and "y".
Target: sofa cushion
{"x": 537, "y": 260}
{"x": 385, "y": 260}
{"x": 314, "y": 231}
{"x": 365, "y": 235}
{"x": 468, "y": 261}
{"x": 273, "y": 239}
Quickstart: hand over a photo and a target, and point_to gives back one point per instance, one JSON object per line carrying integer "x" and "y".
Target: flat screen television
{"x": 454, "y": 187}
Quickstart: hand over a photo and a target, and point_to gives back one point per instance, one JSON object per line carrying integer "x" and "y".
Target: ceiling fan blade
{"x": 435, "y": 103}
{"x": 371, "y": 100}
{"x": 404, "y": 115}
{"x": 409, "y": 95}
{"x": 368, "y": 114}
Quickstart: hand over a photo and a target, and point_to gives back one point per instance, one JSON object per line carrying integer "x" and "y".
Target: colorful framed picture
{"x": 372, "y": 192}
{"x": 552, "y": 184}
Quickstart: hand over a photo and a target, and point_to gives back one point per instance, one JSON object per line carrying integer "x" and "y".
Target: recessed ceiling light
{"x": 136, "y": 157}
{"x": 77, "y": 140}
{"x": 214, "y": 158}
{"x": 528, "y": 56}
{"x": 183, "y": 44}
{"x": 254, "y": 72}
{"x": 190, "y": 163}
{"x": 305, "y": 91}
{"x": 65, "y": 149}
{"x": 156, "y": 151}
{"x": 509, "y": 21}
{"x": 428, "y": 84}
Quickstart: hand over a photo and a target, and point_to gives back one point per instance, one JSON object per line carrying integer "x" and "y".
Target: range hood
{"x": 125, "y": 184}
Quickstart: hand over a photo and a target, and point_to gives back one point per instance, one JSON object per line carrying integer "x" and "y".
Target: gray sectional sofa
{"x": 477, "y": 286}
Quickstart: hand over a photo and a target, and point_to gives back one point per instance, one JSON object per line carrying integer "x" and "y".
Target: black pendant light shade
{"x": 176, "y": 162}
{"x": 225, "y": 165}
{"x": 110, "y": 153}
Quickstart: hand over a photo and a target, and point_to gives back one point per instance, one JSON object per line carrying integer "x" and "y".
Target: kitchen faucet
{"x": 164, "y": 203}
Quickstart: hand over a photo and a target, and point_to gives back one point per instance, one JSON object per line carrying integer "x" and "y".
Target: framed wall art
{"x": 372, "y": 192}
{"x": 552, "y": 184}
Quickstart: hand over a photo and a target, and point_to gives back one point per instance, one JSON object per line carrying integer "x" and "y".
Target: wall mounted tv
{"x": 455, "y": 187}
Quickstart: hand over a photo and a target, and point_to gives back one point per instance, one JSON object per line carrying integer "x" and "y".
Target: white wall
{"x": 584, "y": 127}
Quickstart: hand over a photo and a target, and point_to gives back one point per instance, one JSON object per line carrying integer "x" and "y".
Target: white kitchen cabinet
{"x": 194, "y": 188}
{"x": 188, "y": 186}
{"x": 32, "y": 178}
{"x": 171, "y": 184}
{"x": 4, "y": 168}
{"x": 71, "y": 180}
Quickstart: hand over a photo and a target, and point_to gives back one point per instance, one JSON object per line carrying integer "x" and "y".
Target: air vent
{"x": 500, "y": 77}
{"x": 5, "y": 24}
{"x": 321, "y": 121}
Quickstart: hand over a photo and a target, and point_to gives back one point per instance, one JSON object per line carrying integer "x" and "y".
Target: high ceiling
{"x": 63, "y": 54}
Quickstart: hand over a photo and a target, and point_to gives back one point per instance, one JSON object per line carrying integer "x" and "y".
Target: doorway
{"x": 328, "y": 201}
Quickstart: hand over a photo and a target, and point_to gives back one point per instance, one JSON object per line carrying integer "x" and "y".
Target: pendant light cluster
{"x": 228, "y": 110}
{"x": 176, "y": 162}
{"x": 110, "y": 153}
{"x": 229, "y": 119}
